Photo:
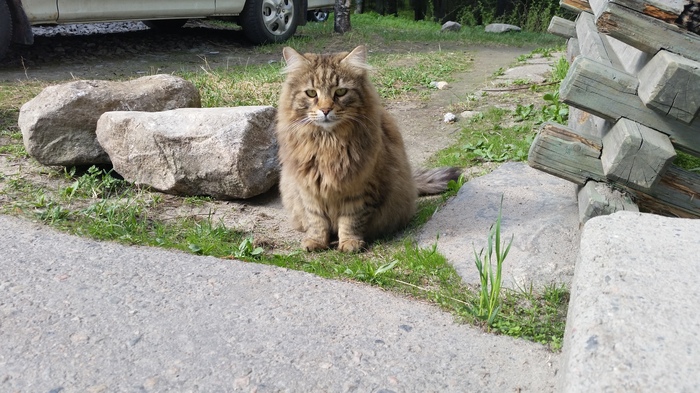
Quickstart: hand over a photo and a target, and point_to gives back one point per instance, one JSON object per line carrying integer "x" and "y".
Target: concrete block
{"x": 632, "y": 324}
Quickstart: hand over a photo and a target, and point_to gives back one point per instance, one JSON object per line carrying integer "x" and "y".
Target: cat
{"x": 344, "y": 168}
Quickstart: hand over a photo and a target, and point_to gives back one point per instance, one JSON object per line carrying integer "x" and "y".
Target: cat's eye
{"x": 311, "y": 93}
{"x": 341, "y": 92}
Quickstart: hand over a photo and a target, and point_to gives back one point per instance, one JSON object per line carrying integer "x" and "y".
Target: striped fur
{"x": 345, "y": 172}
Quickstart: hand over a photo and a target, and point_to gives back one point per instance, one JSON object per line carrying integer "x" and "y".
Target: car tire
{"x": 165, "y": 24}
{"x": 317, "y": 15}
{"x": 5, "y": 27}
{"x": 270, "y": 21}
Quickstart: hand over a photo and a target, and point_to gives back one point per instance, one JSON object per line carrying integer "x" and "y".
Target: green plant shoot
{"x": 490, "y": 291}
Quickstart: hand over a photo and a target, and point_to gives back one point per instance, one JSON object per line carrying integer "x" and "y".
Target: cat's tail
{"x": 434, "y": 181}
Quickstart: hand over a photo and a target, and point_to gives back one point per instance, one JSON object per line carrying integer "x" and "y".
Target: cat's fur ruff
{"x": 344, "y": 167}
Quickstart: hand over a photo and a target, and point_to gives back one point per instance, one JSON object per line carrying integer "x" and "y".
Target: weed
{"x": 95, "y": 183}
{"x": 490, "y": 290}
{"x": 554, "y": 110}
{"x": 560, "y": 69}
{"x": 247, "y": 249}
{"x": 524, "y": 112}
{"x": 453, "y": 186}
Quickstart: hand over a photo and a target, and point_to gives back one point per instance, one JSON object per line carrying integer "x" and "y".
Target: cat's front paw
{"x": 351, "y": 245}
{"x": 310, "y": 244}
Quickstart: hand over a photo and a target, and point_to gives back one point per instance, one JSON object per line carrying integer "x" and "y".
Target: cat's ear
{"x": 293, "y": 59}
{"x": 357, "y": 58}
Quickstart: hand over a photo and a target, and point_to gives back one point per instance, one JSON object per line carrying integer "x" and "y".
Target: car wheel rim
{"x": 277, "y": 15}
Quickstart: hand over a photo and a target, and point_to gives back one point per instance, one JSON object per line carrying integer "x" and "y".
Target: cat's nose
{"x": 326, "y": 111}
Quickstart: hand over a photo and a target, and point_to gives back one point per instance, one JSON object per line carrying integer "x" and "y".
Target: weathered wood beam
{"x": 561, "y": 152}
{"x": 632, "y": 60}
{"x": 562, "y": 27}
{"x": 646, "y": 33}
{"x": 598, "y": 199}
{"x": 584, "y": 123}
{"x": 572, "y": 49}
{"x": 575, "y": 5}
{"x": 564, "y": 153}
{"x": 636, "y": 156}
{"x": 670, "y": 84}
{"x": 591, "y": 43}
{"x": 665, "y": 10}
{"x": 612, "y": 94}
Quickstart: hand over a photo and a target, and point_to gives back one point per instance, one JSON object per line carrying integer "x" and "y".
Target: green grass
{"x": 402, "y": 32}
{"x": 486, "y": 139}
{"x": 392, "y": 75}
{"x": 498, "y": 133}
{"x": 373, "y": 29}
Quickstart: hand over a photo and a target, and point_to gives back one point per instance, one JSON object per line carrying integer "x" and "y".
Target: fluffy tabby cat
{"x": 345, "y": 172}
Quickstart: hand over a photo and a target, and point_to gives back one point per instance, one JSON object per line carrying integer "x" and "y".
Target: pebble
{"x": 441, "y": 85}
{"x": 469, "y": 114}
{"x": 450, "y": 117}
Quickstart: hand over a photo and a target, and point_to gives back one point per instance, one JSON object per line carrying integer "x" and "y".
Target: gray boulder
{"x": 451, "y": 26}
{"x": 226, "y": 153}
{"x": 501, "y": 28}
{"x": 58, "y": 125}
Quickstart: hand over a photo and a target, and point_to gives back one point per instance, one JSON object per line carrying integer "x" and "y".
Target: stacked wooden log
{"x": 633, "y": 88}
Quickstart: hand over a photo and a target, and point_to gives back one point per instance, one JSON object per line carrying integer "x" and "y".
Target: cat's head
{"x": 326, "y": 90}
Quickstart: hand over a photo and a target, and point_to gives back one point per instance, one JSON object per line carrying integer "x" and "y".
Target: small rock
{"x": 469, "y": 114}
{"x": 442, "y": 85}
{"x": 450, "y": 117}
{"x": 451, "y": 26}
{"x": 501, "y": 28}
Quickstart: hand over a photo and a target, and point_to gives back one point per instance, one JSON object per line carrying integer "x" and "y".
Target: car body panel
{"x": 77, "y": 11}
{"x": 86, "y": 10}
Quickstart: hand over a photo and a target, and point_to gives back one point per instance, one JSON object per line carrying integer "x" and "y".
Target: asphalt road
{"x": 78, "y": 315}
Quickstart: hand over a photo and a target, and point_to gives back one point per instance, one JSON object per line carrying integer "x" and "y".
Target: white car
{"x": 263, "y": 21}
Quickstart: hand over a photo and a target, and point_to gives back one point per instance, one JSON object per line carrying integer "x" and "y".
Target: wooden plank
{"x": 559, "y": 151}
{"x": 575, "y": 5}
{"x": 612, "y": 94}
{"x": 562, "y": 27}
{"x": 646, "y": 33}
{"x": 670, "y": 84}
{"x": 635, "y": 155}
{"x": 598, "y": 199}
{"x": 665, "y": 10}
{"x": 590, "y": 42}
{"x": 632, "y": 60}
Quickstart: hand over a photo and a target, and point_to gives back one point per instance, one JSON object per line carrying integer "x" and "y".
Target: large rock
{"x": 501, "y": 28}
{"x": 226, "y": 153}
{"x": 58, "y": 125}
{"x": 540, "y": 211}
{"x": 451, "y": 26}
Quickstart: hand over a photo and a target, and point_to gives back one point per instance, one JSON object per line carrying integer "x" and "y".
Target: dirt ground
{"x": 120, "y": 55}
